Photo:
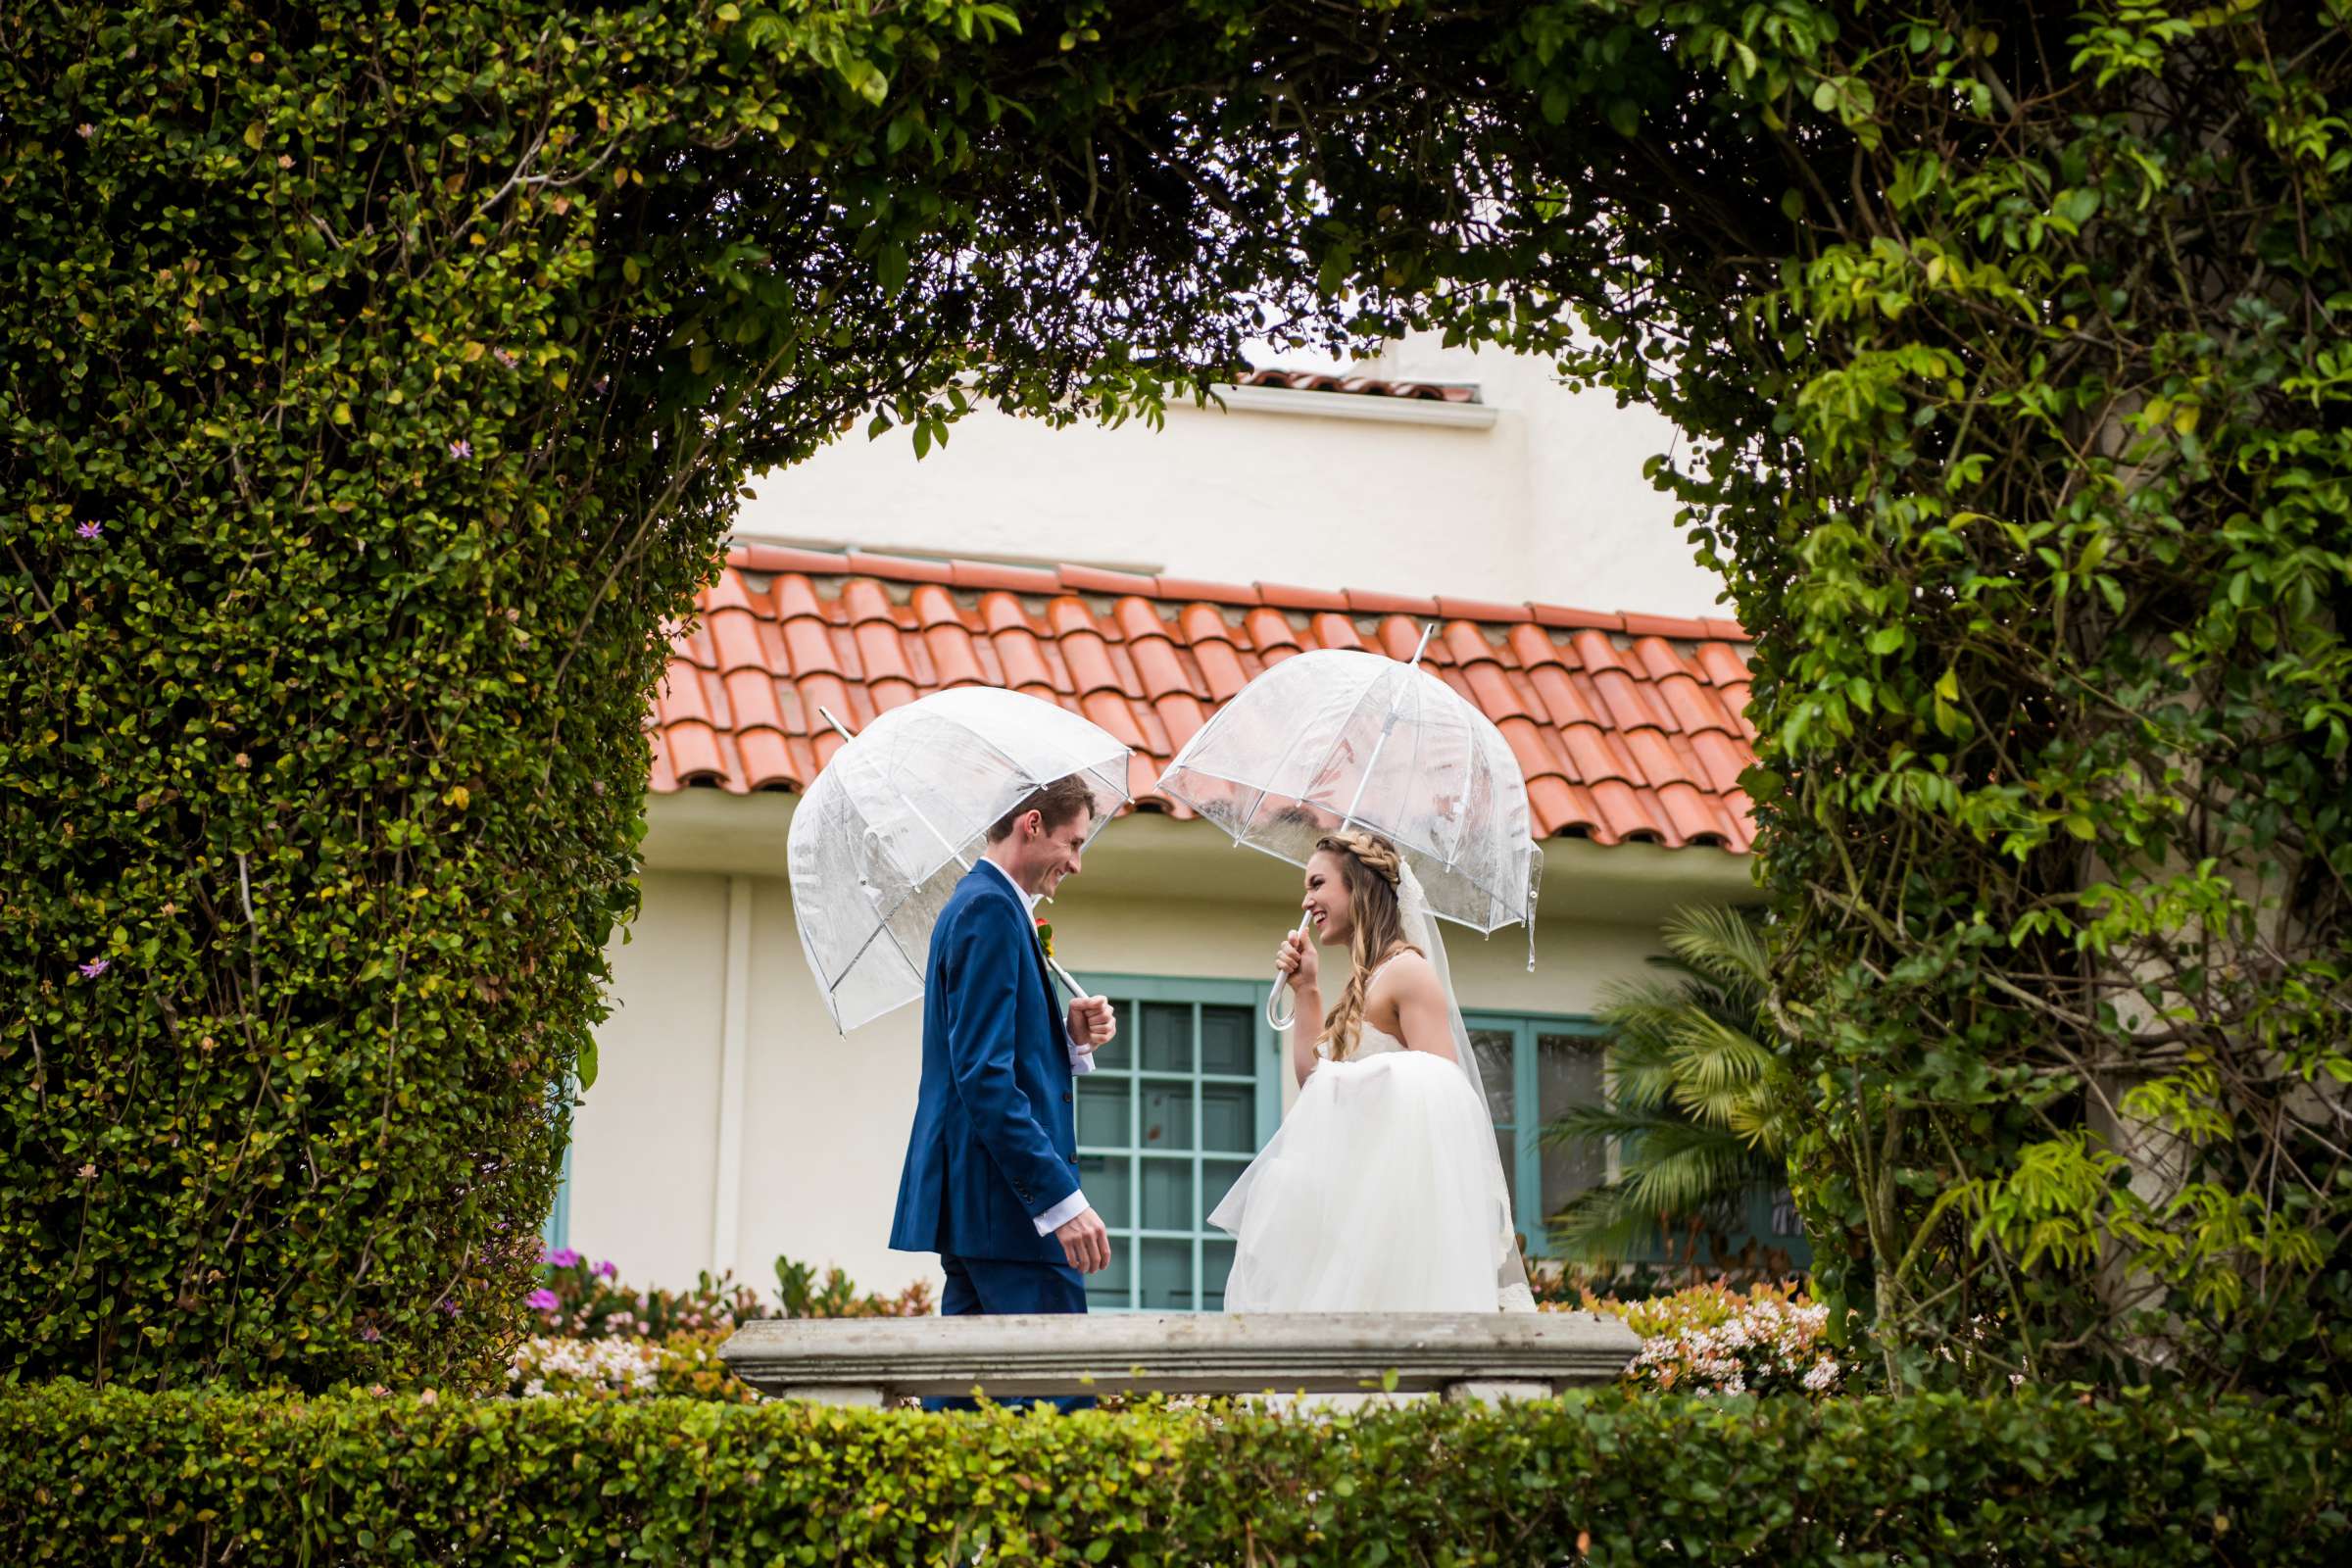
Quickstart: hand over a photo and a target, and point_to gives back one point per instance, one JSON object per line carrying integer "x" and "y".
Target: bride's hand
{"x": 1296, "y": 962}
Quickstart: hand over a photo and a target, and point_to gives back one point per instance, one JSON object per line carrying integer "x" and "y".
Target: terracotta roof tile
{"x": 1595, "y": 652}
{"x": 1284, "y": 596}
{"x": 752, "y": 701}
{"x": 1377, "y": 604}
{"x": 981, "y": 575}
{"x": 781, "y": 558}
{"x": 680, "y": 696}
{"x": 901, "y": 569}
{"x": 1628, "y": 708}
{"x": 1692, "y": 709}
{"x": 1726, "y": 630}
{"x": 793, "y": 593}
{"x": 768, "y": 761}
{"x": 1092, "y": 580}
{"x": 954, "y": 657}
{"x": 1269, "y": 629}
{"x": 1335, "y": 631}
{"x": 1566, "y": 620}
{"x": 807, "y": 645}
{"x": 1137, "y": 618}
{"x": 735, "y": 639}
{"x": 936, "y": 607}
{"x": 1480, "y": 610}
{"x": 1722, "y": 760}
{"x": 1663, "y": 626}
{"x": 1531, "y": 646}
{"x": 693, "y": 749}
{"x": 1216, "y": 593}
{"x": 882, "y": 651}
{"x": 1201, "y": 623}
{"x": 1626, "y": 726}
{"x": 1361, "y": 386}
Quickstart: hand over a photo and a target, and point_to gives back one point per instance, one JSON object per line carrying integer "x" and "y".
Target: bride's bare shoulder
{"x": 1407, "y": 974}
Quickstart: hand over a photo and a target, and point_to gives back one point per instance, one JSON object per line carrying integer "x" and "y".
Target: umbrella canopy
{"x": 1341, "y": 738}
{"x": 903, "y": 810}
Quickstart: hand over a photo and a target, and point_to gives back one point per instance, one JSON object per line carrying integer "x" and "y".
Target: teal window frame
{"x": 1526, "y": 1129}
{"x": 1127, "y": 1232}
{"x": 557, "y": 1231}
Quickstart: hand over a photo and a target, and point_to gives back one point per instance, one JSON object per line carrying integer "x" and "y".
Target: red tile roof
{"x": 1629, "y": 727}
{"x": 1363, "y": 385}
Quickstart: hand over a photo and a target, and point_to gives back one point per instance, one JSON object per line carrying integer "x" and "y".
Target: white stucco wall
{"x": 1546, "y": 503}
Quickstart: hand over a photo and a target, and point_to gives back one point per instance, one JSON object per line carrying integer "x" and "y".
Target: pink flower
{"x": 608, "y": 1269}
{"x": 85, "y": 130}
{"x": 90, "y": 531}
{"x": 460, "y": 448}
{"x": 92, "y": 969}
{"x": 543, "y": 1300}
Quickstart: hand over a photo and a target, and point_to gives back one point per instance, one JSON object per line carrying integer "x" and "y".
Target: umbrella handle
{"x": 1282, "y": 1009}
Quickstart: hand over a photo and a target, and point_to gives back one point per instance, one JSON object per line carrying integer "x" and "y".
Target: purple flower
{"x": 561, "y": 1258}
{"x": 543, "y": 1300}
{"x": 608, "y": 1269}
{"x": 89, "y": 530}
{"x": 460, "y": 448}
{"x": 446, "y": 1308}
{"x": 92, "y": 969}
{"x": 370, "y": 1332}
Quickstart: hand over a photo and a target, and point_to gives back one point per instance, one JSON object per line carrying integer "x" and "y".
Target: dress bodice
{"x": 1369, "y": 1042}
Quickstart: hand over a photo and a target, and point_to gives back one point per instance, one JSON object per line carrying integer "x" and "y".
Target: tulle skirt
{"x": 1381, "y": 1192}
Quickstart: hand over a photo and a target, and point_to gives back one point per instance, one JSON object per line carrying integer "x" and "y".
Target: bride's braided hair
{"x": 1371, "y": 869}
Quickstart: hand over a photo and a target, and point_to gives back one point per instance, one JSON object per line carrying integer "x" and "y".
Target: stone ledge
{"x": 865, "y": 1360}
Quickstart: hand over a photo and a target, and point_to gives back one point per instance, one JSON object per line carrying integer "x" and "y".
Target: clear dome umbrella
{"x": 903, "y": 810}
{"x": 1344, "y": 739}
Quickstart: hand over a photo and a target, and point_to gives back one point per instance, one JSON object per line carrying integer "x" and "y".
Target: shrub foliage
{"x": 1606, "y": 1478}
{"x": 379, "y": 379}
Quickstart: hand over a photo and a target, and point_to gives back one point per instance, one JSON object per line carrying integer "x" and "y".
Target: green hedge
{"x": 1608, "y": 1477}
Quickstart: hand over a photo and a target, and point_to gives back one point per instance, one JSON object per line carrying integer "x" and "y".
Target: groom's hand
{"x": 1085, "y": 1243}
{"x": 1092, "y": 1022}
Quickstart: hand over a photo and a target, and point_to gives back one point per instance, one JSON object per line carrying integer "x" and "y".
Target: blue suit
{"x": 994, "y": 1140}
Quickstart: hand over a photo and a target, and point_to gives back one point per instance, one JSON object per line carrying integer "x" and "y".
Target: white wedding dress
{"x": 1383, "y": 1190}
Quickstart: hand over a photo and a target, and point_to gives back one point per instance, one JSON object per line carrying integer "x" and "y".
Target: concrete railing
{"x": 877, "y": 1360}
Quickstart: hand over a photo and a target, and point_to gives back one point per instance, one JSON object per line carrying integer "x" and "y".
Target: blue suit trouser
{"x": 999, "y": 1286}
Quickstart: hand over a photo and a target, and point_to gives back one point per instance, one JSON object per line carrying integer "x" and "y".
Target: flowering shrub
{"x": 1713, "y": 1339}
{"x": 624, "y": 1366}
{"x": 580, "y": 1300}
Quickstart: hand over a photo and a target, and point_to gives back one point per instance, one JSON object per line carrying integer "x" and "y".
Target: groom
{"x": 991, "y": 1181}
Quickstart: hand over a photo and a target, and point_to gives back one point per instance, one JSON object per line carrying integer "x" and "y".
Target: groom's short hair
{"x": 1057, "y": 803}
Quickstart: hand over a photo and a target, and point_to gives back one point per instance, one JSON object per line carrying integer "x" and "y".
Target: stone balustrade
{"x": 878, "y": 1360}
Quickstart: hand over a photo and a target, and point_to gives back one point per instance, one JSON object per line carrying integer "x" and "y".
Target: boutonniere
{"x": 1045, "y": 936}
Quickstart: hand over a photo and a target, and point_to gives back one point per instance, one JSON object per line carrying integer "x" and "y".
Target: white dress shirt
{"x": 1082, "y": 1061}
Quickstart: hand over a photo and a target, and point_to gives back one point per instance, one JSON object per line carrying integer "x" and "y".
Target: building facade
{"x": 1141, "y": 577}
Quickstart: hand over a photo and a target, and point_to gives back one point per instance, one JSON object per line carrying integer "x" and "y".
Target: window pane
{"x": 1227, "y": 1034}
{"x": 1103, "y": 1113}
{"x": 1167, "y": 1117}
{"x": 1217, "y": 1262}
{"x": 1167, "y": 1033}
{"x": 1568, "y": 1073}
{"x": 1217, "y": 1177}
{"x": 1167, "y": 1268}
{"x": 1494, "y": 1048}
{"x": 1168, "y": 1195}
{"x": 1229, "y": 1116}
{"x": 1506, "y": 1145}
{"x": 1109, "y": 1186}
{"x": 1109, "y": 1287}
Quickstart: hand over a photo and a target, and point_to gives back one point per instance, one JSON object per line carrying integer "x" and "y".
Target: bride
{"x": 1383, "y": 1192}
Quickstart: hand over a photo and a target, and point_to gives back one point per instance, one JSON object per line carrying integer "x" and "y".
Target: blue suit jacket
{"x": 994, "y": 1140}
